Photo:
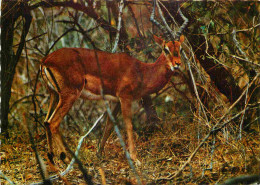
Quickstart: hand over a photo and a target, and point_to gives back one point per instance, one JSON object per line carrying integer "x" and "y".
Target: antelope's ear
{"x": 158, "y": 40}
{"x": 182, "y": 38}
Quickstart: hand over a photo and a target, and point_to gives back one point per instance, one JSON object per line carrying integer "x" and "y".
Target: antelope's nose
{"x": 177, "y": 65}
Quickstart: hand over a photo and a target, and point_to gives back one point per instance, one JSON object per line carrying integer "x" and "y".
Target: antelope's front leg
{"x": 127, "y": 115}
{"x": 108, "y": 128}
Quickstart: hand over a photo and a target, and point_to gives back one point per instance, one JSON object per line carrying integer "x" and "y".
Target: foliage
{"x": 230, "y": 152}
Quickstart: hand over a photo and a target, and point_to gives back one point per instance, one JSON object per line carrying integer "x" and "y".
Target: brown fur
{"x": 125, "y": 77}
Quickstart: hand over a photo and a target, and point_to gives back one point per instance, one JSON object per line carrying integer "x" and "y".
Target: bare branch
{"x": 121, "y": 5}
{"x": 217, "y": 127}
{"x": 70, "y": 166}
{"x": 57, "y": 40}
{"x": 239, "y": 58}
{"x": 36, "y": 37}
{"x": 6, "y": 178}
{"x": 77, "y": 6}
{"x": 195, "y": 88}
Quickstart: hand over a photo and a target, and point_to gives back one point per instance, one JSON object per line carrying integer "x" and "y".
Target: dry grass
{"x": 160, "y": 154}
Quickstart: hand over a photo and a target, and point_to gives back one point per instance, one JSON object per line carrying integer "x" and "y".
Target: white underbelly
{"x": 91, "y": 96}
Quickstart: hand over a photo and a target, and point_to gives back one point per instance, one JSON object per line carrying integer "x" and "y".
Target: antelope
{"x": 70, "y": 73}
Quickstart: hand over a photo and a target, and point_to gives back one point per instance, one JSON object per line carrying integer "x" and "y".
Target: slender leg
{"x": 65, "y": 103}
{"x": 108, "y": 129}
{"x": 53, "y": 102}
{"x": 107, "y": 132}
{"x": 127, "y": 115}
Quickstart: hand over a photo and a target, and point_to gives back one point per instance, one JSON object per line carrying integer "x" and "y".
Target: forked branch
{"x": 166, "y": 29}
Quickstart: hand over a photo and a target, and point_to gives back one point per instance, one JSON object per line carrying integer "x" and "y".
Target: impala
{"x": 71, "y": 73}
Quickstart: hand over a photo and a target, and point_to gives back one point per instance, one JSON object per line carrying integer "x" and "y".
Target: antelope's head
{"x": 171, "y": 51}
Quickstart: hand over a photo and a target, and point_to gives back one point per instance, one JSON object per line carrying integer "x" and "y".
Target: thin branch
{"x": 70, "y": 166}
{"x": 242, "y": 120}
{"x": 23, "y": 98}
{"x": 109, "y": 21}
{"x": 195, "y": 87}
{"x": 135, "y": 20}
{"x": 239, "y": 47}
{"x": 121, "y": 5}
{"x": 237, "y": 31}
{"x": 107, "y": 106}
{"x": 6, "y": 178}
{"x": 215, "y": 129}
{"x": 89, "y": 10}
{"x": 57, "y": 40}
{"x": 106, "y": 103}
{"x": 36, "y": 37}
{"x": 243, "y": 59}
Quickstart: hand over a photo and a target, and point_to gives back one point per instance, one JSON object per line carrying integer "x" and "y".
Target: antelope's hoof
{"x": 62, "y": 156}
{"x": 46, "y": 124}
{"x": 50, "y": 157}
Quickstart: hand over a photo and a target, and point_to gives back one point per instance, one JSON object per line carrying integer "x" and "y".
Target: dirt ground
{"x": 160, "y": 154}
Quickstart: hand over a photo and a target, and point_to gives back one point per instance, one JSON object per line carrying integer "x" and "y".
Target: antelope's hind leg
{"x": 66, "y": 100}
{"x": 53, "y": 103}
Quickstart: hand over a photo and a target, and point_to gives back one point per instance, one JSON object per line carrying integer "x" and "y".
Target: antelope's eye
{"x": 166, "y": 50}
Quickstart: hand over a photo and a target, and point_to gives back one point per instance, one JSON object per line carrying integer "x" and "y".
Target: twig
{"x": 215, "y": 129}
{"x": 195, "y": 88}
{"x": 107, "y": 105}
{"x": 136, "y": 23}
{"x": 32, "y": 38}
{"x": 70, "y": 166}
{"x": 243, "y": 59}
{"x": 237, "y": 31}
{"x": 121, "y": 5}
{"x": 6, "y": 178}
{"x": 242, "y": 120}
{"x": 109, "y": 21}
{"x": 239, "y": 47}
{"x": 57, "y": 40}
{"x": 80, "y": 143}
{"x": 41, "y": 166}
{"x": 25, "y": 97}
{"x": 102, "y": 174}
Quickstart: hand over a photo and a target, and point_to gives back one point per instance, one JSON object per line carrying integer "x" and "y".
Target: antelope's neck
{"x": 156, "y": 75}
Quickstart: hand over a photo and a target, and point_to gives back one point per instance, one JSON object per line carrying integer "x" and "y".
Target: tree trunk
{"x": 11, "y": 10}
